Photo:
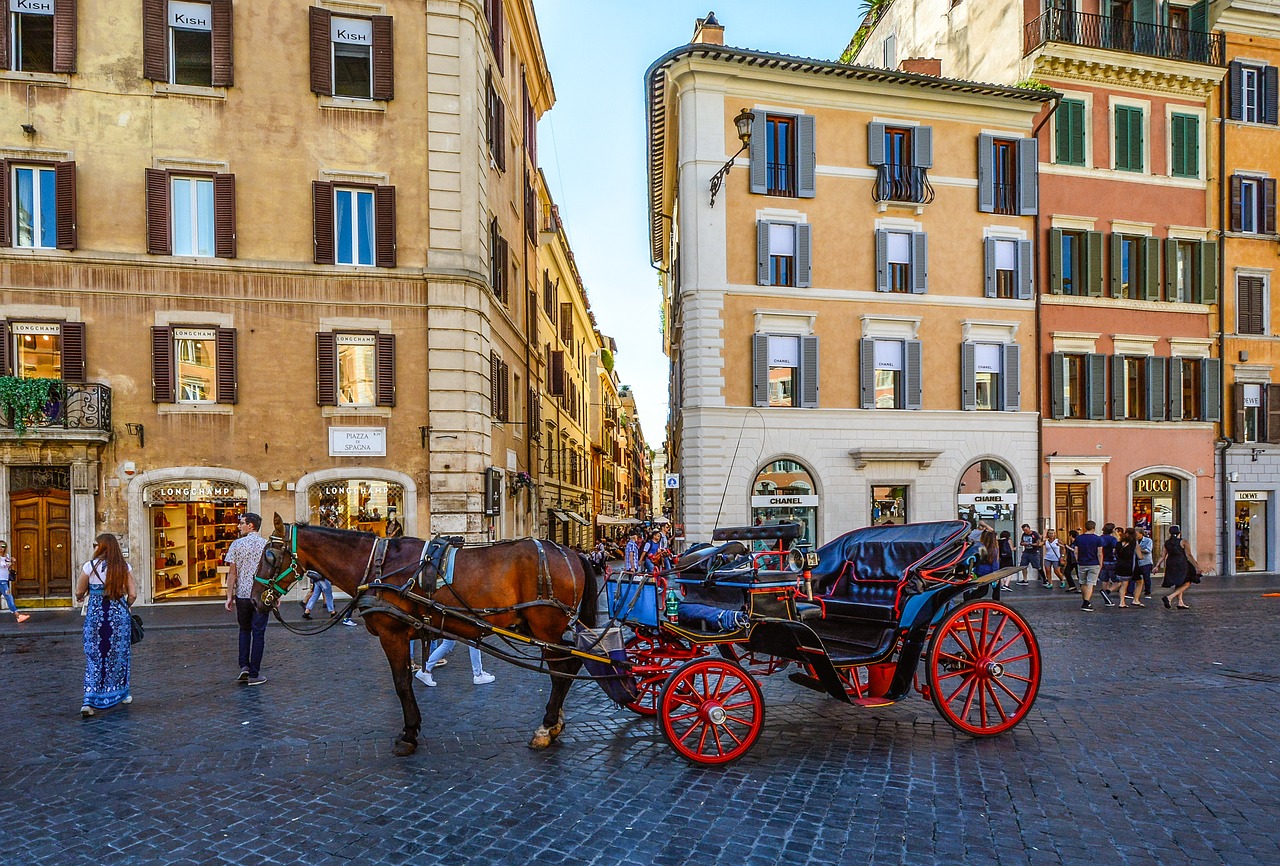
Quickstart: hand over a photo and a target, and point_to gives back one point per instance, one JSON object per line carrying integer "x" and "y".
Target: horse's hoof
{"x": 557, "y": 730}
{"x": 540, "y": 741}
{"x": 404, "y": 747}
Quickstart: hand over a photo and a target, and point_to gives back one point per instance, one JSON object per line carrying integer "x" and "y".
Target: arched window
{"x": 987, "y": 494}
{"x": 783, "y": 492}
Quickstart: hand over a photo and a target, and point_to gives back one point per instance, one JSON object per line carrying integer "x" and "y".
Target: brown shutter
{"x": 65, "y": 184}
{"x": 223, "y": 63}
{"x": 73, "y": 352}
{"x": 322, "y": 207}
{"x": 224, "y": 216}
{"x": 566, "y": 323}
{"x": 5, "y": 367}
{"x": 64, "y": 35}
{"x": 1269, "y": 206}
{"x": 326, "y": 369}
{"x": 1237, "y": 408}
{"x": 501, "y": 141}
{"x": 6, "y": 210}
{"x": 496, "y": 27}
{"x": 385, "y": 369}
{"x": 556, "y": 386}
{"x": 1237, "y": 203}
{"x": 159, "y": 241}
{"x": 506, "y": 392}
{"x": 4, "y": 39}
{"x": 161, "y": 365}
{"x": 383, "y": 58}
{"x": 321, "y": 52}
{"x": 494, "y": 389}
{"x": 1271, "y": 406}
{"x": 226, "y": 365}
{"x": 384, "y": 216}
{"x": 155, "y": 53}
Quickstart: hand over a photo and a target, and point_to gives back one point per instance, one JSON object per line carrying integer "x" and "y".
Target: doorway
{"x": 1070, "y": 506}
{"x": 40, "y": 514}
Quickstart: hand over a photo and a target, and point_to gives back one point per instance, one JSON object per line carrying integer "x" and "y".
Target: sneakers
{"x": 128, "y": 699}
{"x": 349, "y": 621}
{"x": 244, "y": 676}
{"x": 1106, "y": 598}
{"x": 257, "y": 681}
{"x": 1087, "y": 607}
{"x": 23, "y": 617}
{"x": 86, "y": 711}
{"x": 425, "y": 678}
{"x": 741, "y": 620}
{"x": 483, "y": 678}
{"x": 306, "y": 614}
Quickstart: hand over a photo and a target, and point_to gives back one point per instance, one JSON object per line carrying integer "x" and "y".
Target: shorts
{"x": 1030, "y": 557}
{"x": 1089, "y": 574}
{"x": 1108, "y": 572}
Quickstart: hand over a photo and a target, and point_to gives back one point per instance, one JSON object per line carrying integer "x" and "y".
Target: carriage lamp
{"x": 743, "y": 123}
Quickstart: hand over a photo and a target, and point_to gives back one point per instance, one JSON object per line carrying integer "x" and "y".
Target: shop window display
{"x": 361, "y": 505}
{"x": 192, "y": 525}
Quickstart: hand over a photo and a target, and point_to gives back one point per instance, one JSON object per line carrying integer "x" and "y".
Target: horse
{"x": 534, "y": 588}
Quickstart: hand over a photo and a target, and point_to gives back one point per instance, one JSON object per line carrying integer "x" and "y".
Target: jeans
{"x": 327, "y": 588}
{"x": 253, "y": 632}
{"x": 477, "y": 667}
{"x": 719, "y": 618}
{"x": 8, "y": 597}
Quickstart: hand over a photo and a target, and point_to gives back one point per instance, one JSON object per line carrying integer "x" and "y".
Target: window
{"x": 195, "y": 352}
{"x": 496, "y": 131}
{"x": 1075, "y": 262}
{"x": 1071, "y": 245}
{"x": 1252, "y": 92}
{"x": 37, "y": 350}
{"x": 1184, "y": 134}
{"x": 194, "y": 364}
{"x": 35, "y": 211}
{"x": 1191, "y": 390}
{"x": 187, "y": 43}
{"x": 783, "y": 254}
{"x": 494, "y": 14}
{"x": 890, "y": 53}
{"x": 192, "y": 216}
{"x": 784, "y": 370}
{"x": 191, "y": 43}
{"x": 780, "y": 155}
{"x": 1008, "y": 179}
{"x": 1071, "y": 133}
{"x": 1250, "y": 416}
{"x": 888, "y": 505}
{"x": 499, "y": 253}
{"x": 889, "y": 374}
{"x": 1251, "y": 317}
{"x": 499, "y": 387}
{"x": 1183, "y": 278}
{"x": 352, "y": 57}
{"x": 31, "y": 36}
{"x": 1078, "y": 385}
{"x": 1074, "y": 397}
{"x": 1130, "y": 267}
{"x": 1253, "y": 204}
{"x": 1131, "y": 388}
{"x": 990, "y": 374}
{"x": 1005, "y": 271}
{"x": 987, "y": 366}
{"x": 1128, "y": 138}
{"x": 1006, "y": 176}
{"x": 353, "y": 226}
{"x": 901, "y": 261}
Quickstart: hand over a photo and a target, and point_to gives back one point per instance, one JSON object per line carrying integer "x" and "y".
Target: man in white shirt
{"x": 242, "y": 558}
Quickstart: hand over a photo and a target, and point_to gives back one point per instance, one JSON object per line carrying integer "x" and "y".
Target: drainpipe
{"x": 1227, "y": 518}
{"x": 530, "y": 317}
{"x": 1040, "y": 471}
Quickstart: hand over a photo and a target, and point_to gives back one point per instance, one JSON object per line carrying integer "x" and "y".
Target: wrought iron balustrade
{"x": 1122, "y": 34}
{"x": 70, "y": 407}
{"x": 906, "y": 183}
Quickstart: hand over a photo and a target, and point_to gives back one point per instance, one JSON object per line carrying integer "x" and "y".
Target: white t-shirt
{"x": 6, "y": 564}
{"x": 96, "y": 570}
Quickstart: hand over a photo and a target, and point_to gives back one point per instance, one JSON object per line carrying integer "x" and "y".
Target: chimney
{"x": 922, "y": 66}
{"x": 708, "y": 31}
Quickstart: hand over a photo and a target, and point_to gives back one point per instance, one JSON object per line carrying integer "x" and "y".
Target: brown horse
{"x": 526, "y": 586}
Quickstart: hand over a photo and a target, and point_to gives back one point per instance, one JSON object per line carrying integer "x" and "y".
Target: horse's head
{"x": 278, "y": 570}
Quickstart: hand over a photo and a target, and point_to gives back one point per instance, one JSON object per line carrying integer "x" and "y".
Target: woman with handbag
{"x": 1180, "y": 569}
{"x": 1127, "y": 568}
{"x": 107, "y": 581}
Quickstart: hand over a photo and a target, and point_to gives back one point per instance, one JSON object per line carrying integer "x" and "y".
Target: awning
{"x": 661, "y": 520}
{"x": 578, "y": 518}
{"x": 559, "y": 515}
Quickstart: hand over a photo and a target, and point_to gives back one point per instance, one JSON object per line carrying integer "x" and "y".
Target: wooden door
{"x": 41, "y": 521}
{"x": 1070, "y": 506}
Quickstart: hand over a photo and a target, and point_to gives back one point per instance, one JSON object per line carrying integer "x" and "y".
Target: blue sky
{"x": 592, "y": 145}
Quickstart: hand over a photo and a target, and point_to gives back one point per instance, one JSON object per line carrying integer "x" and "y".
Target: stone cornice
{"x": 1116, "y": 68}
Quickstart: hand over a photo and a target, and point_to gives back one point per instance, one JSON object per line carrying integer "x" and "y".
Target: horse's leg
{"x": 395, "y": 644}
{"x": 553, "y": 719}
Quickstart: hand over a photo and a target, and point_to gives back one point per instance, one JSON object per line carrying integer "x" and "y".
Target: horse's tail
{"x": 587, "y": 613}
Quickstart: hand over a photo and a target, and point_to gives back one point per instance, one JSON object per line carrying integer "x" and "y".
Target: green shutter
{"x": 1070, "y": 133}
{"x": 1128, "y": 123}
{"x": 1208, "y": 272}
{"x": 1093, "y": 259}
{"x": 1122, "y": 138}
{"x": 1151, "y": 269}
{"x": 1185, "y": 136}
{"x": 1055, "y": 263}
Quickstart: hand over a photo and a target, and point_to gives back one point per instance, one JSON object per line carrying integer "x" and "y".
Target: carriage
{"x": 853, "y": 619}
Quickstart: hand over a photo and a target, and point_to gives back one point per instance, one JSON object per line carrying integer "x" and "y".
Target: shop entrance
{"x": 40, "y": 511}
{"x": 192, "y": 525}
{"x": 1251, "y": 531}
{"x": 987, "y": 494}
{"x": 1157, "y": 505}
{"x": 1070, "y": 507}
{"x": 784, "y": 493}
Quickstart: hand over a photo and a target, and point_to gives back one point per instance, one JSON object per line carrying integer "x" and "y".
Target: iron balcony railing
{"x": 907, "y": 183}
{"x": 70, "y": 407}
{"x": 1121, "y": 34}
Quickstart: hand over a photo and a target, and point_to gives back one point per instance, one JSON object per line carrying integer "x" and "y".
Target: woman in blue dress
{"x": 107, "y": 580}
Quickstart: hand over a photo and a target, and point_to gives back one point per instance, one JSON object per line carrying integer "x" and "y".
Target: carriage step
{"x": 873, "y": 702}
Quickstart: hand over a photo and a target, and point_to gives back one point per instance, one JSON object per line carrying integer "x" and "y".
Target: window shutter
{"x": 1175, "y": 389}
{"x": 64, "y": 35}
{"x": 566, "y": 323}
{"x": 762, "y": 253}
{"x": 1177, "y": 143}
{"x": 155, "y": 51}
{"x": 1096, "y": 386}
{"x": 161, "y": 365}
{"x": 1211, "y": 389}
{"x": 384, "y": 352}
{"x": 1093, "y": 262}
{"x": 322, "y": 209}
{"x": 1122, "y": 138}
{"x": 989, "y": 267}
{"x": 867, "y": 373}
{"x": 759, "y": 369}
{"x": 919, "y": 263}
{"x": 1117, "y": 387}
{"x": 224, "y": 216}
{"x": 495, "y": 389}
{"x": 504, "y": 400}
{"x": 321, "y": 52}
{"x": 6, "y": 368}
{"x": 1171, "y": 270}
{"x": 1208, "y": 272}
{"x": 914, "y": 374}
{"x": 1012, "y": 377}
{"x": 6, "y": 207}
{"x": 1117, "y": 257}
{"x": 808, "y": 372}
{"x": 1055, "y": 264}
{"x": 1271, "y": 404}
{"x": 65, "y": 184}
{"x": 875, "y": 144}
{"x": 1026, "y": 271}
{"x": 804, "y": 255}
{"x": 227, "y": 366}
{"x": 1156, "y": 398}
{"x": 327, "y": 369}
{"x": 968, "y": 377}
{"x": 882, "y": 260}
{"x": 1057, "y": 385}
{"x": 1235, "y": 90}
{"x": 1151, "y": 268}
{"x": 384, "y": 210}
{"x": 1237, "y": 203}
{"x": 500, "y": 141}
{"x": 1269, "y": 85}
{"x": 986, "y": 174}
{"x": 758, "y": 152}
{"x": 1135, "y": 139}
{"x": 556, "y": 385}
{"x": 1268, "y": 206}
{"x": 222, "y": 42}
{"x": 806, "y": 157}
{"x": 159, "y": 238}
{"x": 383, "y": 58}
{"x": 1237, "y": 414}
{"x": 1244, "y": 305}
{"x": 1191, "y": 148}
{"x": 1028, "y": 175}
{"x": 73, "y": 354}
{"x": 4, "y": 39}
{"x": 922, "y": 147}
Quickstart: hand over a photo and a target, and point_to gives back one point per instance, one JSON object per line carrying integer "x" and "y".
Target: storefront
{"x": 987, "y": 494}
{"x": 191, "y": 525}
{"x": 890, "y": 505}
{"x": 1251, "y": 530}
{"x": 360, "y": 504}
{"x": 1157, "y": 505}
{"x": 784, "y": 492}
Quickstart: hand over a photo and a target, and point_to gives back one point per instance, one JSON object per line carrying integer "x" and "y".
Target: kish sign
{"x": 352, "y": 31}
{"x": 357, "y": 441}
{"x": 190, "y": 16}
{"x": 31, "y": 7}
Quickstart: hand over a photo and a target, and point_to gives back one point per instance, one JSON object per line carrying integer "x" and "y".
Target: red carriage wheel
{"x": 711, "y": 711}
{"x": 657, "y": 656}
{"x": 983, "y": 668}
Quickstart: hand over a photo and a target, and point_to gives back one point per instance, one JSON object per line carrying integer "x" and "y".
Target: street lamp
{"x": 743, "y": 122}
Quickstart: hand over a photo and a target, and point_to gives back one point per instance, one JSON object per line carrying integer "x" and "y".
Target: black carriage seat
{"x": 860, "y": 574}
{"x": 699, "y": 558}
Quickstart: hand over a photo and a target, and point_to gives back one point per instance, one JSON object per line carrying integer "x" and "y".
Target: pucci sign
{"x": 784, "y": 501}
{"x": 353, "y": 31}
{"x": 31, "y": 7}
{"x": 357, "y": 441}
{"x": 190, "y": 16}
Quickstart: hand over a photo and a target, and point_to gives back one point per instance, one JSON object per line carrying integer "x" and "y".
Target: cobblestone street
{"x": 1155, "y": 740}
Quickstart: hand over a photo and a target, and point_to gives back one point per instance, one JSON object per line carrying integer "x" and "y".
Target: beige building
{"x": 268, "y": 257}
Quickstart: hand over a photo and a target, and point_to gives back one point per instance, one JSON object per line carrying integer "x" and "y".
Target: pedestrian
{"x": 1005, "y": 546}
{"x": 107, "y": 581}
{"x": 1070, "y": 562}
{"x": 654, "y": 553}
{"x": 1107, "y": 578}
{"x": 1052, "y": 559}
{"x": 1127, "y": 567}
{"x": 631, "y": 554}
{"x": 1144, "y": 561}
{"x": 320, "y": 585}
{"x": 479, "y": 676}
{"x": 8, "y": 571}
{"x": 394, "y": 529}
{"x": 1031, "y": 545}
{"x": 242, "y": 559}
{"x": 1088, "y": 547}
{"x": 1180, "y": 569}
{"x": 988, "y": 554}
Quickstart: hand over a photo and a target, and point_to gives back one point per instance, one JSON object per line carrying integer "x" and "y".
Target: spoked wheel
{"x": 983, "y": 668}
{"x": 711, "y": 711}
{"x": 655, "y": 656}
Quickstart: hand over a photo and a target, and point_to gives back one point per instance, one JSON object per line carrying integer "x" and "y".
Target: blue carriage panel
{"x": 633, "y": 599}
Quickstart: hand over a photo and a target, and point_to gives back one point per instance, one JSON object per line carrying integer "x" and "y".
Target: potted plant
{"x": 27, "y": 401}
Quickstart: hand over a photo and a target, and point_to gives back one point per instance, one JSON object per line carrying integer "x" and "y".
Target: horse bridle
{"x": 274, "y": 591}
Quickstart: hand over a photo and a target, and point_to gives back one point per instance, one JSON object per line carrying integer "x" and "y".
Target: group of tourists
{"x": 1118, "y": 562}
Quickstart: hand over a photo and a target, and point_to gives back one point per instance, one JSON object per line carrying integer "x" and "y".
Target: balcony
{"x": 84, "y": 409}
{"x": 902, "y": 183}
{"x": 1121, "y": 34}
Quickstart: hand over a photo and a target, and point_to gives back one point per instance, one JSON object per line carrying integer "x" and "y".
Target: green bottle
{"x": 672, "y": 611}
